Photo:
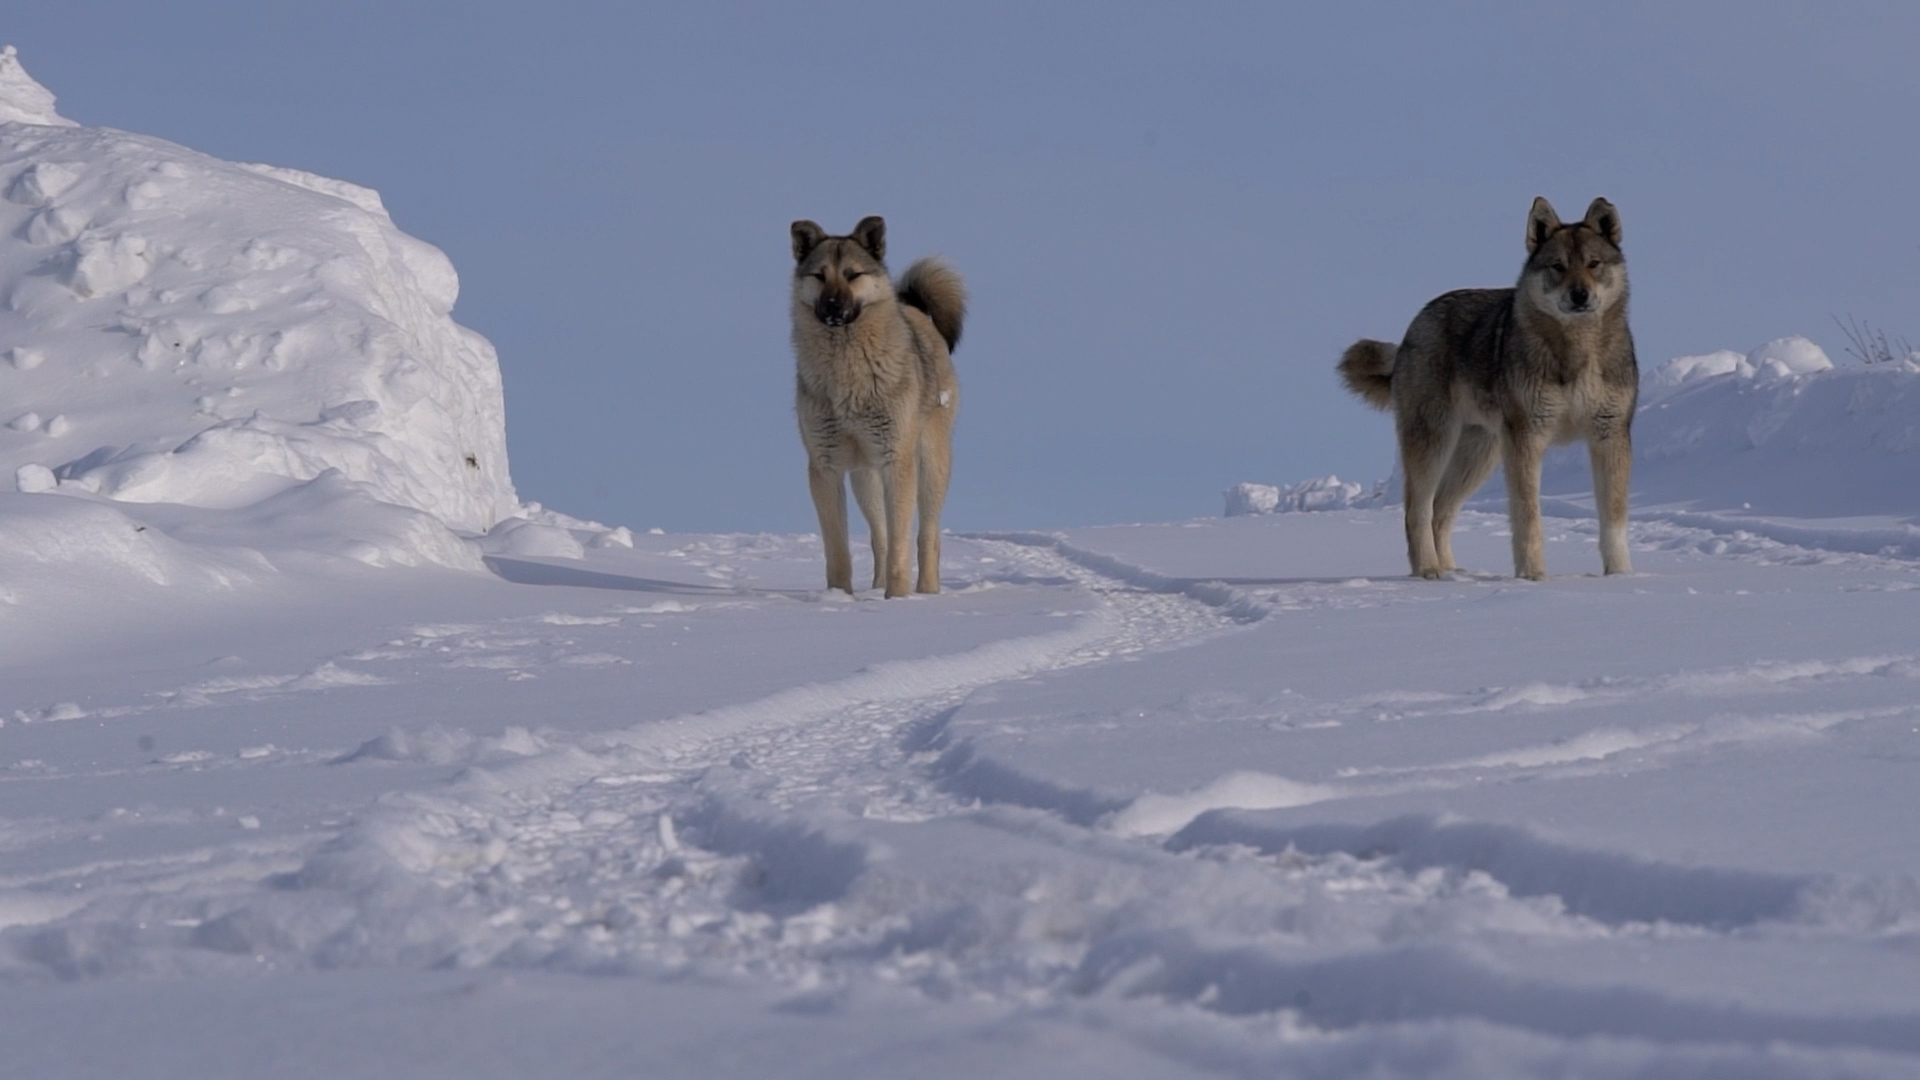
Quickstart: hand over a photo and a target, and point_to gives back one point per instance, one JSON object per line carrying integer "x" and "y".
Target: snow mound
{"x": 1778, "y": 430}
{"x": 1780, "y": 358}
{"x": 1324, "y": 493}
{"x": 184, "y": 330}
{"x": 1154, "y": 814}
{"x": 539, "y": 532}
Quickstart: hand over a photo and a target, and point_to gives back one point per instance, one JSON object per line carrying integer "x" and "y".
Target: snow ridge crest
{"x": 22, "y": 100}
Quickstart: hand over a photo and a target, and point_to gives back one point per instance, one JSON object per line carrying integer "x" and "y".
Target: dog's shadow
{"x": 527, "y": 572}
{"x": 1276, "y": 582}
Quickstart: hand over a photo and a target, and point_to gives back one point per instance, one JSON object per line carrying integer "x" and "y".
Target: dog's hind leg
{"x": 871, "y": 494}
{"x": 1522, "y": 452}
{"x": 1474, "y": 457}
{"x": 830, "y": 502}
{"x": 1425, "y": 450}
{"x": 1612, "y": 459}
{"x": 936, "y": 466}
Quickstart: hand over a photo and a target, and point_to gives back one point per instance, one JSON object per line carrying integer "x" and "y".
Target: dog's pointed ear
{"x": 806, "y": 237}
{"x": 1541, "y": 223}
{"x": 1605, "y": 220}
{"x": 871, "y": 234}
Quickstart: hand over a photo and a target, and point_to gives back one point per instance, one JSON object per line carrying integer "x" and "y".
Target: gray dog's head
{"x": 1574, "y": 271}
{"x": 837, "y": 276}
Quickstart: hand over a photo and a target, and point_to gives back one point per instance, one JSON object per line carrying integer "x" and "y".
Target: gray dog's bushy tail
{"x": 935, "y": 288}
{"x": 1367, "y": 367}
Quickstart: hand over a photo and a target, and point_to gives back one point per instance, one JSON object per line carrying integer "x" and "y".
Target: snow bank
{"x": 1781, "y": 358}
{"x": 1778, "y": 430}
{"x": 540, "y": 532}
{"x": 180, "y": 330}
{"x": 1325, "y": 493}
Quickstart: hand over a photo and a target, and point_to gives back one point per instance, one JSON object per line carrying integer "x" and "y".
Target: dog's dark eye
{"x": 851, "y": 274}
{"x": 1559, "y": 268}
{"x": 1593, "y": 264}
{"x": 818, "y": 275}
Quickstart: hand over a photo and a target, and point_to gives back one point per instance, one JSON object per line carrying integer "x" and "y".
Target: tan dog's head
{"x": 836, "y": 277}
{"x": 1574, "y": 271}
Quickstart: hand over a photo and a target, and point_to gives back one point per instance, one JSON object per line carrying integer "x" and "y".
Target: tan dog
{"x": 1488, "y": 375}
{"x": 876, "y": 395}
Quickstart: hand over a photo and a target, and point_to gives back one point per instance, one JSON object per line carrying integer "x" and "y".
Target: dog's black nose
{"x": 834, "y": 310}
{"x": 1579, "y": 296}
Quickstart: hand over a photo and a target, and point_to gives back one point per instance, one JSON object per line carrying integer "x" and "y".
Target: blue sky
{"x": 1172, "y": 218}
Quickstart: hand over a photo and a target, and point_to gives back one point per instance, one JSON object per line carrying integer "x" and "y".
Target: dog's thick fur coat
{"x": 1488, "y": 375}
{"x": 875, "y": 395}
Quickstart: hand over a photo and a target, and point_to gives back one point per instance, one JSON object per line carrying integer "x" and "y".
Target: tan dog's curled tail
{"x": 1367, "y": 368}
{"x": 935, "y": 288}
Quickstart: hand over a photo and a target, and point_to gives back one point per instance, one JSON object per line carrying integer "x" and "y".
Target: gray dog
{"x": 1489, "y": 375}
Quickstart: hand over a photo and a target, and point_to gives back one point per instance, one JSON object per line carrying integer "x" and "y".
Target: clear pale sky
{"x": 1172, "y": 217}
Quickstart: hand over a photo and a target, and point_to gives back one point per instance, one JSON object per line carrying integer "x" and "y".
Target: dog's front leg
{"x": 900, "y": 478}
{"x": 1612, "y": 459}
{"x": 870, "y": 492}
{"x": 1521, "y": 460}
{"x": 830, "y": 503}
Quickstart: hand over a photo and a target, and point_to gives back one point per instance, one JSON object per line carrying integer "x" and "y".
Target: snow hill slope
{"x": 178, "y": 329}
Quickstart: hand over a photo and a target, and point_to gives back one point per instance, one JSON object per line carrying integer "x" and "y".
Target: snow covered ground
{"x": 322, "y": 755}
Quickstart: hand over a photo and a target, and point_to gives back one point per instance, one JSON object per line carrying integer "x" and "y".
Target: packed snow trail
{"x": 789, "y": 876}
{"x": 833, "y": 743}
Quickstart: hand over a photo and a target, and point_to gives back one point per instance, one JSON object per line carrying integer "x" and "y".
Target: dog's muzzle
{"x": 835, "y": 312}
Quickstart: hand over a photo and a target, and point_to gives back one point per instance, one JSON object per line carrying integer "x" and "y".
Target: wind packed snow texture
{"x": 279, "y": 795}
